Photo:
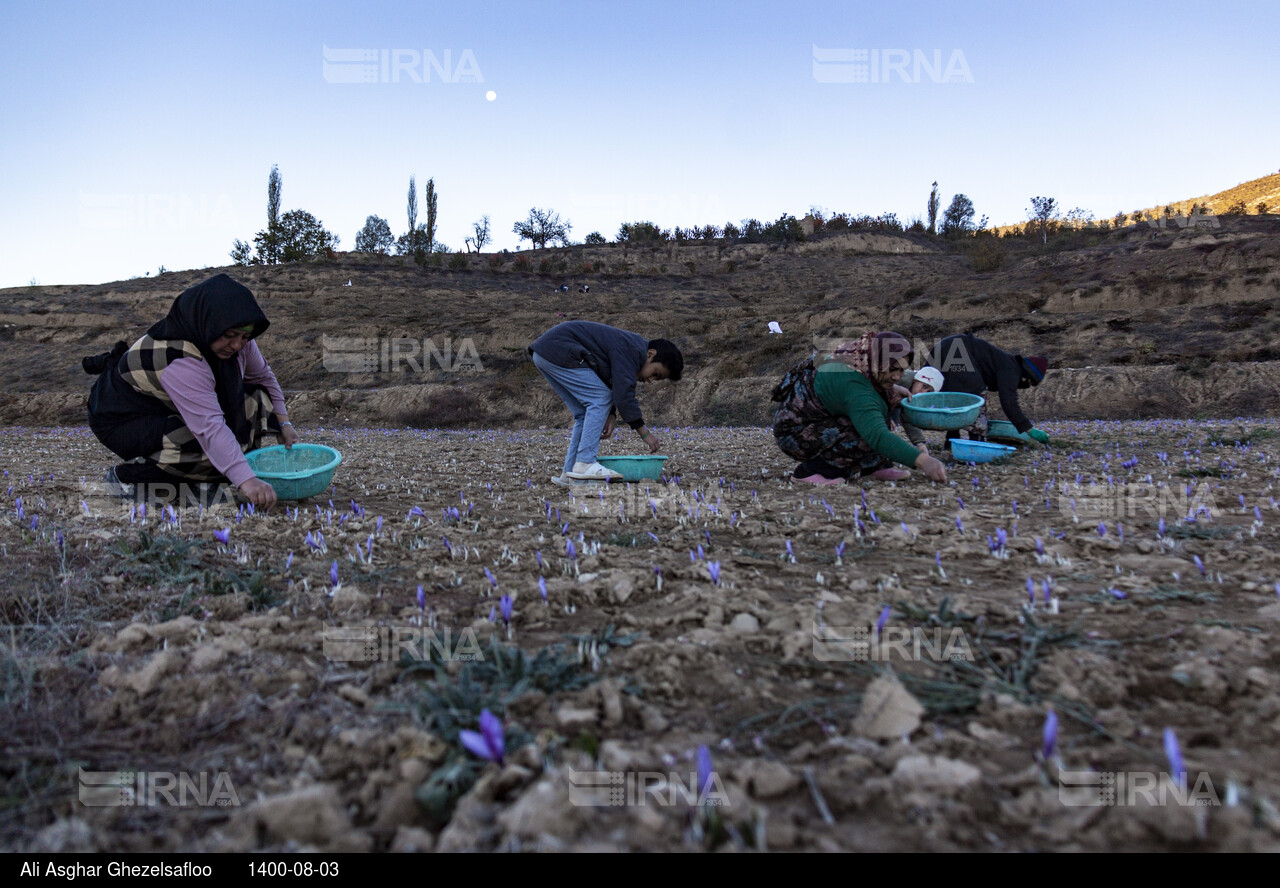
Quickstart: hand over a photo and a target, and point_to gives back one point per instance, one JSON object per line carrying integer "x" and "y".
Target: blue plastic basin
{"x": 979, "y": 451}
{"x": 295, "y": 474}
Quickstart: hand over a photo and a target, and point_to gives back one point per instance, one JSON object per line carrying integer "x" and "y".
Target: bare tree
{"x": 543, "y": 227}
{"x": 481, "y": 236}
{"x": 1043, "y": 211}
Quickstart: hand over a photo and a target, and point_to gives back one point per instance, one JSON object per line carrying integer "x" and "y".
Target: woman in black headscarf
{"x": 186, "y": 401}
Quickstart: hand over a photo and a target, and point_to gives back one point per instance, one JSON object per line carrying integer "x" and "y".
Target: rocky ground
{"x": 723, "y": 607}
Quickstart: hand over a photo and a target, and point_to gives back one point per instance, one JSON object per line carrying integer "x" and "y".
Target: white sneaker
{"x": 561, "y": 480}
{"x": 593, "y": 472}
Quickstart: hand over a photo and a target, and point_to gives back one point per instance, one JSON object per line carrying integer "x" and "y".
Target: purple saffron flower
{"x": 1002, "y": 537}
{"x": 62, "y": 543}
{"x": 1039, "y": 546}
{"x": 1050, "y": 744}
{"x": 1102, "y": 530}
{"x": 537, "y": 554}
{"x": 489, "y": 576}
{"x": 884, "y": 618}
{"x": 840, "y": 549}
{"x": 222, "y": 536}
{"x": 713, "y": 567}
{"x": 1117, "y": 593}
{"x": 1031, "y": 590}
{"x": 704, "y": 770}
{"x": 702, "y": 556}
{"x": 693, "y": 557}
{"x": 493, "y": 613}
{"x": 1173, "y": 753}
{"x": 790, "y": 554}
{"x": 422, "y": 598}
{"x": 959, "y": 524}
{"x": 1160, "y": 531}
{"x": 333, "y": 574}
{"x": 35, "y": 521}
{"x": 570, "y": 551}
{"x": 488, "y": 743}
{"x": 505, "y": 604}
{"x": 288, "y": 562}
{"x": 379, "y": 525}
{"x": 1199, "y": 564}
{"x": 448, "y": 548}
{"x": 1048, "y": 593}
{"x": 542, "y": 589}
{"x": 960, "y": 502}
{"x": 415, "y": 512}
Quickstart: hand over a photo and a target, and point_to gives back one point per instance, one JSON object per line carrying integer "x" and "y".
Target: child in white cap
{"x": 926, "y": 379}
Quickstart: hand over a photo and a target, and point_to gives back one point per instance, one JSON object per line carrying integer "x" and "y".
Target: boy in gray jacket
{"x": 594, "y": 369}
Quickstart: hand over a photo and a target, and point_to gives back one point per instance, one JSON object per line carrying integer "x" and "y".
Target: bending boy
{"x": 594, "y": 369}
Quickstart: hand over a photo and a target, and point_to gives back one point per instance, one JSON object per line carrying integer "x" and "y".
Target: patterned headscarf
{"x": 873, "y": 354}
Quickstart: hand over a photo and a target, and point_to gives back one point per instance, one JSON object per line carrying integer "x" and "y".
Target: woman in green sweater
{"x": 834, "y": 414}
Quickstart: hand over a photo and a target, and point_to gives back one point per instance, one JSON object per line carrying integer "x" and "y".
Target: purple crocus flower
{"x": 288, "y": 562}
{"x": 959, "y": 524}
{"x": 505, "y": 604}
{"x": 422, "y": 598}
{"x": 1039, "y": 546}
{"x": 790, "y": 554}
{"x": 542, "y": 589}
{"x": 493, "y": 614}
{"x": 35, "y": 521}
{"x": 570, "y": 551}
{"x": 448, "y": 548}
{"x": 537, "y": 554}
{"x": 1117, "y": 593}
{"x": 1199, "y": 564}
{"x": 704, "y": 770}
{"x": 1173, "y": 753}
{"x": 1050, "y": 744}
{"x": 1160, "y": 531}
{"x": 1102, "y": 530}
{"x": 840, "y": 549}
{"x": 1031, "y": 590}
{"x": 379, "y": 525}
{"x": 713, "y": 568}
{"x": 1002, "y": 537}
{"x": 333, "y": 574}
{"x": 960, "y": 502}
{"x": 1048, "y": 589}
{"x": 415, "y": 512}
{"x": 222, "y": 536}
{"x": 489, "y": 576}
{"x": 488, "y": 743}
{"x": 702, "y": 556}
{"x": 884, "y": 618}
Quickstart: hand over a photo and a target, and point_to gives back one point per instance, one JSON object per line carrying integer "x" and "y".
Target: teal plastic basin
{"x": 979, "y": 451}
{"x": 295, "y": 474}
{"x": 1006, "y": 431}
{"x": 942, "y": 410}
{"x": 635, "y": 468}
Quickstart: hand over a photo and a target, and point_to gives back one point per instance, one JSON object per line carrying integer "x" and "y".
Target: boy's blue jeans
{"x": 588, "y": 399}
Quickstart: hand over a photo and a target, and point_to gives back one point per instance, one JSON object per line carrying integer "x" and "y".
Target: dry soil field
{"x": 723, "y": 607}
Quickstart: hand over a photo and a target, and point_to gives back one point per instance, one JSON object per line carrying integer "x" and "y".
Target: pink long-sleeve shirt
{"x": 189, "y": 382}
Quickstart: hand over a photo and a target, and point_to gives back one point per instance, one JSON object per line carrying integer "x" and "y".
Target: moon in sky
{"x": 490, "y": 95}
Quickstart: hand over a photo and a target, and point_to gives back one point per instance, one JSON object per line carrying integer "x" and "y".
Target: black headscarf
{"x": 202, "y": 314}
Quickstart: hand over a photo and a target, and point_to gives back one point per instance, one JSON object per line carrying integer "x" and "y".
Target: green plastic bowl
{"x": 295, "y": 474}
{"x": 941, "y": 411}
{"x": 979, "y": 451}
{"x": 635, "y": 468}
{"x": 1006, "y": 431}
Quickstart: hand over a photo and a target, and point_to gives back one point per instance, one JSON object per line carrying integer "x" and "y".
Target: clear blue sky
{"x": 141, "y": 134}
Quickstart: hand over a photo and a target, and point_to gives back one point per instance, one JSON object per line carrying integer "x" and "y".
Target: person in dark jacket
{"x": 975, "y": 366}
{"x": 594, "y": 369}
{"x": 188, "y": 399}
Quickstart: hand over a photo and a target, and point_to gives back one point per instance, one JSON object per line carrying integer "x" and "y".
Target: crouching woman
{"x": 184, "y": 403}
{"x": 834, "y": 414}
